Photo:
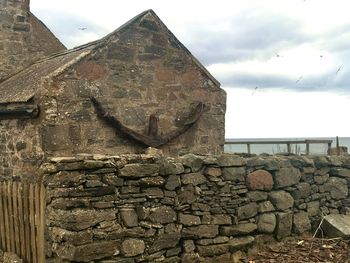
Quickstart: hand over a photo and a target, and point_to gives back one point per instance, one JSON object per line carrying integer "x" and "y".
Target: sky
{"x": 285, "y": 64}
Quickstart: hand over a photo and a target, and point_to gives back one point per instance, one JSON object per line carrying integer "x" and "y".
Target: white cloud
{"x": 279, "y": 113}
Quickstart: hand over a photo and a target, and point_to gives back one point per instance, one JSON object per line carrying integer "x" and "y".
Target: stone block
{"x": 162, "y": 215}
{"x": 255, "y": 196}
{"x": 212, "y": 250}
{"x": 225, "y": 160}
{"x": 152, "y": 181}
{"x": 60, "y": 235}
{"x": 188, "y": 246}
{"x": 220, "y": 219}
{"x": 267, "y": 223}
{"x": 132, "y": 247}
{"x": 187, "y": 195}
{"x": 238, "y": 230}
{"x": 65, "y": 179}
{"x": 168, "y": 240}
{"x": 129, "y": 217}
{"x": 79, "y": 219}
{"x": 172, "y": 182}
{"x": 284, "y": 225}
{"x": 213, "y": 171}
{"x": 337, "y": 187}
{"x": 201, "y": 231}
{"x": 193, "y": 178}
{"x": 302, "y": 191}
{"x": 153, "y": 192}
{"x": 247, "y": 211}
{"x": 189, "y": 220}
{"x": 313, "y": 208}
{"x": 321, "y": 179}
{"x": 167, "y": 167}
{"x": 192, "y": 161}
{"x": 301, "y": 223}
{"x": 234, "y": 174}
{"x": 89, "y": 252}
{"x": 281, "y": 200}
{"x": 259, "y": 180}
{"x": 287, "y": 176}
{"x": 137, "y": 170}
{"x": 238, "y": 243}
{"x": 341, "y": 172}
{"x": 266, "y": 206}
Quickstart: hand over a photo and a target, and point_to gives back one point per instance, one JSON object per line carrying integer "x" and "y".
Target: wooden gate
{"x": 22, "y": 220}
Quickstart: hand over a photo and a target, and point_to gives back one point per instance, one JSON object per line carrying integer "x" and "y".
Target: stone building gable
{"x": 137, "y": 71}
{"x": 24, "y": 39}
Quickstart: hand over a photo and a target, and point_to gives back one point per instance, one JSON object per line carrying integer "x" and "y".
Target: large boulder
{"x": 336, "y": 225}
{"x": 259, "y": 180}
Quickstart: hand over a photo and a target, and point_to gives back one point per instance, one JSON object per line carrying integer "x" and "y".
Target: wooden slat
{"x": 32, "y": 223}
{"x": 15, "y": 218}
{"x": 2, "y": 219}
{"x": 37, "y": 217}
{"x": 26, "y": 219}
{"x": 11, "y": 218}
{"x": 21, "y": 221}
{"x": 41, "y": 232}
{"x": 6, "y": 215}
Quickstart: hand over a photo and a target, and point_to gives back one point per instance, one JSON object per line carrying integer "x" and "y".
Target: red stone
{"x": 259, "y": 180}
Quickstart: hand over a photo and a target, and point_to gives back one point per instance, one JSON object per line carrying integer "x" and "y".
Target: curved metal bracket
{"x": 153, "y": 139}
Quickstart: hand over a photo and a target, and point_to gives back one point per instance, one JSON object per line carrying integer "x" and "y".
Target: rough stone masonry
{"x": 151, "y": 208}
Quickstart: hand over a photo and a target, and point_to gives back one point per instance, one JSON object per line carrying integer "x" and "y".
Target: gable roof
{"x": 22, "y": 86}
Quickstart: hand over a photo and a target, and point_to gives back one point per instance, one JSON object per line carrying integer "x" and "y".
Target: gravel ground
{"x": 304, "y": 250}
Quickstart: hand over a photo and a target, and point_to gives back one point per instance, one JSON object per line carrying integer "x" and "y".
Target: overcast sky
{"x": 285, "y": 64}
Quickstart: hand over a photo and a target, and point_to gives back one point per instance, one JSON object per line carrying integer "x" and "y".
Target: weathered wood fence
{"x": 22, "y": 221}
{"x": 286, "y": 142}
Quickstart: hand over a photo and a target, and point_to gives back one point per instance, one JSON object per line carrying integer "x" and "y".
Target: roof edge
{"x": 195, "y": 60}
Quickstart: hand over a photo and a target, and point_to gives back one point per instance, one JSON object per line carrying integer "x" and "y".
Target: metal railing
{"x": 285, "y": 142}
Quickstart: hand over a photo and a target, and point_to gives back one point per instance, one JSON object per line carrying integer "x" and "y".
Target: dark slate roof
{"x": 22, "y": 86}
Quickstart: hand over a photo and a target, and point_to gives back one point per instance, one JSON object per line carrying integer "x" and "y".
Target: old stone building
{"x": 24, "y": 39}
{"x": 136, "y": 87}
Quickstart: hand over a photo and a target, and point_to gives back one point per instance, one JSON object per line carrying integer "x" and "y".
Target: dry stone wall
{"x": 19, "y": 156}
{"x": 150, "y": 208}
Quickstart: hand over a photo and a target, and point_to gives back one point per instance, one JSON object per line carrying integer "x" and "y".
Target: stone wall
{"x": 20, "y": 151}
{"x": 23, "y": 38}
{"x": 149, "y": 208}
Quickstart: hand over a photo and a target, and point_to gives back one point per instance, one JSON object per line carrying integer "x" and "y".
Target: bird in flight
{"x": 339, "y": 69}
{"x": 278, "y": 55}
{"x": 82, "y": 28}
{"x": 255, "y": 89}
{"x": 299, "y": 79}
